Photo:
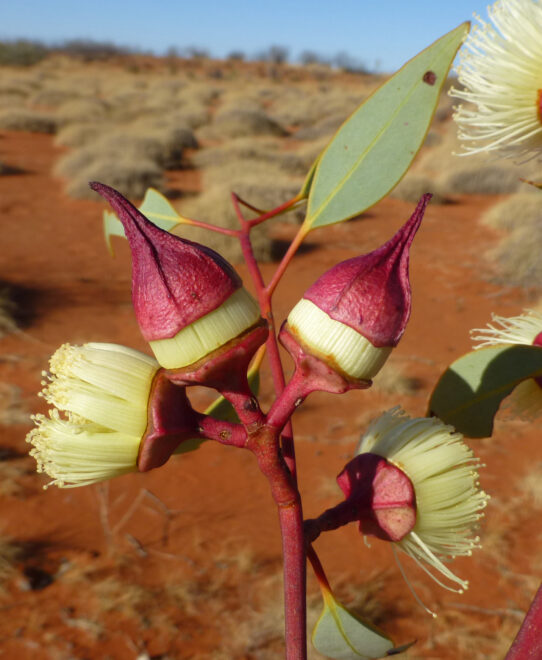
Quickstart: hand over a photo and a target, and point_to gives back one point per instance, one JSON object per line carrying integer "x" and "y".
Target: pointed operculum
{"x": 381, "y": 495}
{"x": 371, "y": 293}
{"x": 174, "y": 281}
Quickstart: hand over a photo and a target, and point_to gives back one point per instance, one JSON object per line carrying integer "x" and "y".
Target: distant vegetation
{"x": 26, "y": 52}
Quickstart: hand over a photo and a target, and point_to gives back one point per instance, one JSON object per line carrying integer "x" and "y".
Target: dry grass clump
{"x": 52, "y": 97}
{"x": 241, "y": 123}
{"x": 517, "y": 260}
{"x": 245, "y": 151}
{"x": 80, "y": 134}
{"x": 521, "y": 209}
{"x": 466, "y": 635}
{"x": 8, "y": 311}
{"x": 81, "y": 110}
{"x": 12, "y": 408}
{"x": 9, "y": 553}
{"x": 324, "y": 128}
{"x": 130, "y": 177}
{"x": 394, "y": 379}
{"x": 214, "y": 206}
{"x": 300, "y": 107}
{"x": 27, "y": 120}
{"x": 413, "y": 186}
{"x": 489, "y": 179}
{"x": 261, "y": 184}
{"x": 17, "y": 87}
{"x": 131, "y": 158}
{"x": 478, "y": 174}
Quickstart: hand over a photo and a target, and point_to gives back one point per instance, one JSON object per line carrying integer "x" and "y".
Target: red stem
{"x": 271, "y": 214}
{"x": 265, "y": 446}
{"x": 227, "y": 433}
{"x": 292, "y": 249}
{"x": 215, "y": 228}
{"x": 279, "y": 467}
{"x": 528, "y": 642}
{"x": 317, "y": 568}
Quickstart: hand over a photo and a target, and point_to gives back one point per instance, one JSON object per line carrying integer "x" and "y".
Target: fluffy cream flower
{"x": 501, "y": 70}
{"x": 443, "y": 472}
{"x": 100, "y": 394}
{"x": 526, "y": 329}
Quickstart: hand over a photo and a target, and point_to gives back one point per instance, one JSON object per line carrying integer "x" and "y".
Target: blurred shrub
{"x": 324, "y": 128}
{"x": 89, "y": 50}
{"x": 489, "y": 179}
{"x": 22, "y": 52}
{"x": 261, "y": 184}
{"x": 27, "y": 120}
{"x": 520, "y": 210}
{"x": 8, "y": 311}
{"x": 79, "y": 135}
{"x": 81, "y": 110}
{"x": 131, "y": 177}
{"x": 516, "y": 259}
{"x": 243, "y": 151}
{"x": 413, "y": 186}
{"x": 241, "y": 123}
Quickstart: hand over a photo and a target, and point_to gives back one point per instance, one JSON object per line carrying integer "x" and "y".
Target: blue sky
{"x": 378, "y": 32}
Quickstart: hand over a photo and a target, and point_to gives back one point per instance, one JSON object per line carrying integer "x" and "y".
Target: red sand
{"x": 211, "y": 531}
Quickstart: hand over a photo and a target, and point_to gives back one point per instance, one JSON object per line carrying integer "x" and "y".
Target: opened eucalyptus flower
{"x": 501, "y": 71}
{"x": 525, "y": 329}
{"x": 106, "y": 418}
{"x": 444, "y": 476}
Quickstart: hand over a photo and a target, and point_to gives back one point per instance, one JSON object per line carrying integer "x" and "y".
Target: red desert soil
{"x": 181, "y": 562}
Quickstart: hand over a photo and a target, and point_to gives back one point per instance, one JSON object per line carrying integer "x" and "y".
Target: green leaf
{"x": 342, "y": 635}
{"x": 158, "y": 209}
{"x": 155, "y": 207}
{"x": 470, "y": 391}
{"x": 112, "y": 227}
{"x": 373, "y": 149}
{"x": 306, "y": 187}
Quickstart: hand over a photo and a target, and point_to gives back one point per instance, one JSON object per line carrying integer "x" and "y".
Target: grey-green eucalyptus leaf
{"x": 373, "y": 149}
{"x": 470, "y": 391}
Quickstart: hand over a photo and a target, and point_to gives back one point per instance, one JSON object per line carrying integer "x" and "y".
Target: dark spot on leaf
{"x": 429, "y": 77}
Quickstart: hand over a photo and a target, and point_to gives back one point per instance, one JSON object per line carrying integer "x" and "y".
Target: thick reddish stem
{"x": 279, "y": 467}
{"x": 264, "y": 300}
{"x": 528, "y": 642}
{"x": 265, "y": 446}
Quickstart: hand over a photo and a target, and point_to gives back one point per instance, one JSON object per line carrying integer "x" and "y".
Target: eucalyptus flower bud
{"x": 189, "y": 301}
{"x": 356, "y": 312}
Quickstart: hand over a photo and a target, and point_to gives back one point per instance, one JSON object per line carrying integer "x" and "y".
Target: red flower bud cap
{"x": 174, "y": 281}
{"x": 353, "y": 316}
{"x": 371, "y": 293}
